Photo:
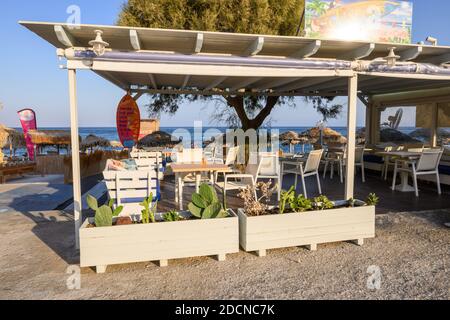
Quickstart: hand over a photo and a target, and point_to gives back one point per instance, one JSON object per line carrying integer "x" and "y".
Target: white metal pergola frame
{"x": 180, "y": 77}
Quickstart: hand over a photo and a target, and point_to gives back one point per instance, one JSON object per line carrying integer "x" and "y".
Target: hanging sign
{"x": 28, "y": 120}
{"x": 363, "y": 20}
{"x": 128, "y": 121}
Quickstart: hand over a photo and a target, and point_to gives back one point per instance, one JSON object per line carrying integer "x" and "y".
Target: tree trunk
{"x": 239, "y": 106}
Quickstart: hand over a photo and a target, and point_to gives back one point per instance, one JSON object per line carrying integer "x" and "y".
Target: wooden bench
{"x": 15, "y": 170}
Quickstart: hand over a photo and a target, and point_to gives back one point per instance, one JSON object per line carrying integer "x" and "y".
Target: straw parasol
{"x": 158, "y": 139}
{"x": 11, "y": 138}
{"x": 50, "y": 137}
{"x": 329, "y": 135}
{"x": 92, "y": 141}
{"x": 115, "y": 144}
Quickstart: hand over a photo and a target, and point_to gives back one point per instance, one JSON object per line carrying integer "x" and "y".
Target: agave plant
{"x": 104, "y": 214}
{"x": 206, "y": 204}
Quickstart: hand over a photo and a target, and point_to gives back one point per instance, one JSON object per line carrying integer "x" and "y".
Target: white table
{"x": 181, "y": 170}
{"x": 404, "y": 186}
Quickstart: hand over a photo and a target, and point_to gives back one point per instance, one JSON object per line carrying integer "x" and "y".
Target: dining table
{"x": 181, "y": 170}
{"x": 405, "y": 156}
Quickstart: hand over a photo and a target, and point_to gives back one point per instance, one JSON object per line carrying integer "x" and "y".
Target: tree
{"x": 276, "y": 17}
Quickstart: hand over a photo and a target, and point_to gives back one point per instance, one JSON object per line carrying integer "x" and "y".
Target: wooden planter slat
{"x": 305, "y": 229}
{"x": 160, "y": 241}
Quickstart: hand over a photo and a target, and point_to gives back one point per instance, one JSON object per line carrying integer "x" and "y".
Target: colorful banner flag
{"x": 28, "y": 120}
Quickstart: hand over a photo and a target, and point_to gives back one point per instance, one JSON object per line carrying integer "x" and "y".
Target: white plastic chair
{"x": 428, "y": 164}
{"x": 359, "y": 162}
{"x": 267, "y": 168}
{"x": 230, "y": 160}
{"x": 311, "y": 168}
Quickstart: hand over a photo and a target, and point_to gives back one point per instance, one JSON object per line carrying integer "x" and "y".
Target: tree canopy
{"x": 272, "y": 17}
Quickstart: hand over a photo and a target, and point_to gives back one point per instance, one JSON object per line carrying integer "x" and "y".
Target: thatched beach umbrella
{"x": 92, "y": 141}
{"x": 115, "y": 144}
{"x": 329, "y": 135}
{"x": 50, "y": 137}
{"x": 11, "y": 138}
{"x": 290, "y": 138}
{"x": 158, "y": 139}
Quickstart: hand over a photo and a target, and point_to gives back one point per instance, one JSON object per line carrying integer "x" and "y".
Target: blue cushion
{"x": 444, "y": 170}
{"x": 373, "y": 159}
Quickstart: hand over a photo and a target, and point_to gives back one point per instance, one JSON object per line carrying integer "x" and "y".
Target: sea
{"x": 110, "y": 133}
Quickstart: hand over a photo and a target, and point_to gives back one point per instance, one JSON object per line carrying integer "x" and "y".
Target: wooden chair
{"x": 149, "y": 161}
{"x": 130, "y": 188}
{"x": 428, "y": 164}
{"x": 311, "y": 168}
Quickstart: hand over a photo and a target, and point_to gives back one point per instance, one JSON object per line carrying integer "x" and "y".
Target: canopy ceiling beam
{"x": 410, "y": 54}
{"x": 276, "y": 83}
{"x": 255, "y": 47}
{"x": 153, "y": 81}
{"x": 200, "y": 39}
{"x": 330, "y": 85}
{"x": 304, "y": 83}
{"x": 213, "y": 70}
{"x": 232, "y": 93}
{"x": 442, "y": 59}
{"x": 185, "y": 82}
{"x": 358, "y": 53}
{"x": 135, "y": 41}
{"x": 111, "y": 78}
{"x": 308, "y": 50}
{"x": 216, "y": 83}
{"x": 64, "y": 37}
{"x": 418, "y": 86}
{"x": 138, "y": 95}
{"x": 242, "y": 84}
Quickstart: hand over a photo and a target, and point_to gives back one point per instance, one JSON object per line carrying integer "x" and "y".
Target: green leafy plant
{"x": 104, "y": 214}
{"x": 287, "y": 197}
{"x": 372, "y": 199}
{"x": 206, "y": 204}
{"x": 322, "y": 203}
{"x": 301, "y": 204}
{"x": 172, "y": 216}
{"x": 149, "y": 211}
{"x": 351, "y": 202}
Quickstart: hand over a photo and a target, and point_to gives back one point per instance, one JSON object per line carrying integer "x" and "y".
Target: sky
{"x": 30, "y": 77}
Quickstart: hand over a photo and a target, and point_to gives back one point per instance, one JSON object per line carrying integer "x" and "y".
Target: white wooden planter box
{"x": 100, "y": 247}
{"x": 311, "y": 228}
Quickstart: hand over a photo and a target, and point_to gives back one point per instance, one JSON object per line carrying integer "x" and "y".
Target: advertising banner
{"x": 28, "y": 120}
{"x": 367, "y": 20}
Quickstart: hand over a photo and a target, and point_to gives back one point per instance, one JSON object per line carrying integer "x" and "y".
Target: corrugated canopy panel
{"x": 232, "y": 62}
{"x": 183, "y": 41}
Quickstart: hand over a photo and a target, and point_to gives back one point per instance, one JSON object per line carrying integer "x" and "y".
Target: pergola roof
{"x": 171, "y": 61}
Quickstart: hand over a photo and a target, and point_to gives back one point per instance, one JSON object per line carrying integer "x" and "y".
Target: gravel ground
{"x": 411, "y": 250}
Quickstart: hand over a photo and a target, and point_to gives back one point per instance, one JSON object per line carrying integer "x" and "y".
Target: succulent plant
{"x": 372, "y": 199}
{"x": 149, "y": 211}
{"x": 351, "y": 202}
{"x": 104, "y": 214}
{"x": 287, "y": 197}
{"x": 322, "y": 203}
{"x": 172, "y": 216}
{"x": 206, "y": 204}
{"x": 301, "y": 204}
